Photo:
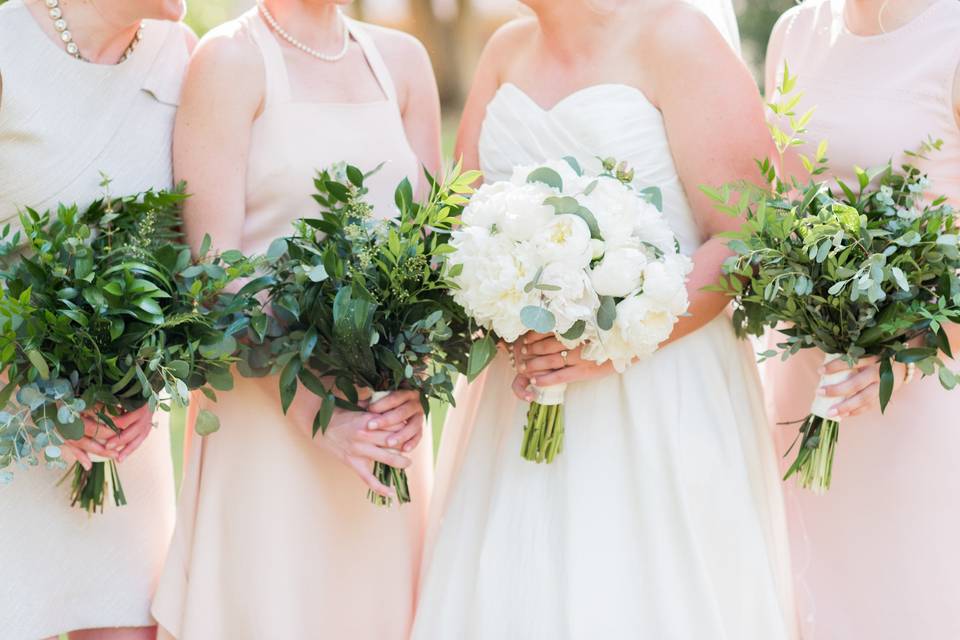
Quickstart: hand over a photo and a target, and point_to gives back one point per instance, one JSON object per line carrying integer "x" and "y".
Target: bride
{"x": 662, "y": 518}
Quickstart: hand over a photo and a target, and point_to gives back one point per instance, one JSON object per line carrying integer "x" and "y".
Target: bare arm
{"x": 418, "y": 96}
{"x": 222, "y": 95}
{"x": 715, "y": 123}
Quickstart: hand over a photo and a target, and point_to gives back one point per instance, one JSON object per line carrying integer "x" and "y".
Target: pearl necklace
{"x": 60, "y": 24}
{"x": 326, "y": 57}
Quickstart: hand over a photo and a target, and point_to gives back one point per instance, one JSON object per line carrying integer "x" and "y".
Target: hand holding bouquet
{"x": 578, "y": 254}
{"x": 105, "y": 313}
{"x": 363, "y": 303}
{"x": 855, "y": 271}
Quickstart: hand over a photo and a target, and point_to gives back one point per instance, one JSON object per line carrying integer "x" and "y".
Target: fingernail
{"x": 523, "y": 367}
{"x": 533, "y": 381}
{"x": 523, "y": 350}
{"x": 391, "y": 441}
{"x": 373, "y": 424}
{"x": 408, "y": 447}
{"x": 833, "y": 413}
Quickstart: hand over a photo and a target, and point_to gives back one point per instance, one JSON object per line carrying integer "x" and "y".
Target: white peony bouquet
{"x": 581, "y": 254}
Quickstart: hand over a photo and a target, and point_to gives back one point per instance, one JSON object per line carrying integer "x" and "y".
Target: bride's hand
{"x": 544, "y": 361}
{"x": 350, "y": 441}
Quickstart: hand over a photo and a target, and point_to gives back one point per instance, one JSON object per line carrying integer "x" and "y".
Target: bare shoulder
{"x": 405, "y": 56}
{"x": 508, "y": 43}
{"x": 230, "y": 48}
{"x": 227, "y": 56}
{"x": 679, "y": 30}
{"x": 226, "y": 67}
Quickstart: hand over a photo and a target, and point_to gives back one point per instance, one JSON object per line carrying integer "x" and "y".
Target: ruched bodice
{"x": 599, "y": 121}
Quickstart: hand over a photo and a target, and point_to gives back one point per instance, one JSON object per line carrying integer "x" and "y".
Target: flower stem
{"x": 543, "y": 433}
{"x": 814, "y": 461}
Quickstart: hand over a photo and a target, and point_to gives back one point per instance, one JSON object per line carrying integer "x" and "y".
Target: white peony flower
{"x": 664, "y": 284}
{"x": 517, "y": 211}
{"x": 620, "y": 272}
{"x": 614, "y": 205}
{"x": 566, "y": 238}
{"x": 650, "y": 226}
{"x": 574, "y": 300}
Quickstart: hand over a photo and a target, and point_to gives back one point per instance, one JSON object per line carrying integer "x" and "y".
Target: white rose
{"x": 566, "y": 238}
{"x": 575, "y": 298}
{"x": 619, "y": 273}
{"x": 664, "y": 284}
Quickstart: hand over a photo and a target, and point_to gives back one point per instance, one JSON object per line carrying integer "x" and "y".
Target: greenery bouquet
{"x": 854, "y": 270}
{"x": 106, "y": 311}
{"x": 364, "y": 303}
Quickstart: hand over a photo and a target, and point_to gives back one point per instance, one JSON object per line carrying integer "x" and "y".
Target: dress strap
{"x": 374, "y": 59}
{"x": 274, "y": 66}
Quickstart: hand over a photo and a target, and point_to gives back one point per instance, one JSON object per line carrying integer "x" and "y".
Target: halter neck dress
{"x": 275, "y": 538}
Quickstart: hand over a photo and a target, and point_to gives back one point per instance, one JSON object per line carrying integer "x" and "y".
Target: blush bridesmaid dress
{"x": 275, "y": 538}
{"x": 878, "y": 556}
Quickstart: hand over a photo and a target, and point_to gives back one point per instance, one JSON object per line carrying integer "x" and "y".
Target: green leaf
{"x": 312, "y": 383}
{"x": 607, "y": 313}
{"x": 206, "y": 423}
{"x": 570, "y": 160}
{"x": 39, "y": 364}
{"x": 947, "y": 378}
{"x": 575, "y": 331}
{"x": 886, "y": 383}
{"x": 654, "y": 196}
{"x": 537, "y": 319}
{"x": 355, "y": 176}
{"x": 308, "y": 343}
{"x": 205, "y": 245}
{"x": 547, "y": 176}
{"x": 900, "y": 278}
{"x": 322, "y": 420}
{"x": 481, "y": 354}
{"x": 276, "y": 249}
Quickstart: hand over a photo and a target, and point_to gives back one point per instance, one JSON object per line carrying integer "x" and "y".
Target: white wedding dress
{"x": 662, "y": 518}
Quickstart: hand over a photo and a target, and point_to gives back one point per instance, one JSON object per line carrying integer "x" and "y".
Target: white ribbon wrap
{"x": 548, "y": 396}
{"x": 823, "y": 404}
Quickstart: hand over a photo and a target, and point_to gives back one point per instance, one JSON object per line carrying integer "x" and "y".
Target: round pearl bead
{"x": 55, "y": 13}
{"x": 66, "y": 36}
{"x": 52, "y": 3}
{"x": 60, "y": 24}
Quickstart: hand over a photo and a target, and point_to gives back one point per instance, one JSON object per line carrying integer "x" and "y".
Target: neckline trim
{"x": 920, "y": 18}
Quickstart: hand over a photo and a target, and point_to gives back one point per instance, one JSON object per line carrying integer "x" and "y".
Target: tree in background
{"x": 757, "y": 18}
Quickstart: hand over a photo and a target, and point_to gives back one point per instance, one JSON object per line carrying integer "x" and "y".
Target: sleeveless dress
{"x": 662, "y": 517}
{"x": 62, "y": 122}
{"x": 877, "y": 556}
{"x": 275, "y": 538}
